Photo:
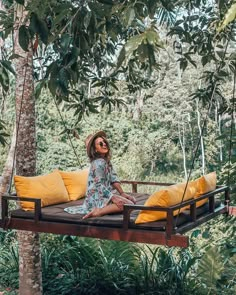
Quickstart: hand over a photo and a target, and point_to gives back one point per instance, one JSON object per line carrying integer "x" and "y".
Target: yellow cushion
{"x": 205, "y": 184}
{"x": 49, "y": 188}
{"x": 170, "y": 196}
{"x": 76, "y": 183}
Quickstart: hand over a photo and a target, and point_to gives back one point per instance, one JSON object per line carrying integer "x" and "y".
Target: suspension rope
{"x": 68, "y": 135}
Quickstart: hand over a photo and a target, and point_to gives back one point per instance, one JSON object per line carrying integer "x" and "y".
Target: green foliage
{"x": 228, "y": 173}
{"x": 20, "y": 2}
{"x": 228, "y": 17}
{"x": 166, "y": 271}
{"x": 3, "y": 134}
{"x": 4, "y": 78}
{"x": 39, "y": 26}
{"x": 82, "y": 49}
{"x": 214, "y": 243}
{"x": 88, "y": 266}
{"x": 210, "y": 269}
{"x": 9, "y": 260}
{"x": 24, "y": 37}
{"x": 83, "y": 42}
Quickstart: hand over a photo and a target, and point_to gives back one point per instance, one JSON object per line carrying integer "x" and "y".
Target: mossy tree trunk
{"x": 30, "y": 274}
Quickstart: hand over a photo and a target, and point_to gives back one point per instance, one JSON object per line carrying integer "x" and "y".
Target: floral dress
{"x": 99, "y": 188}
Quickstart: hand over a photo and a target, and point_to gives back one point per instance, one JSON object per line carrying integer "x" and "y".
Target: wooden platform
{"x": 53, "y": 219}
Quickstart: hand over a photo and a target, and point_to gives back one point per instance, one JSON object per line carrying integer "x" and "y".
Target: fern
{"x": 210, "y": 269}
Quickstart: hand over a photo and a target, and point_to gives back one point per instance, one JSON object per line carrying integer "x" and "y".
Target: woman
{"x": 100, "y": 199}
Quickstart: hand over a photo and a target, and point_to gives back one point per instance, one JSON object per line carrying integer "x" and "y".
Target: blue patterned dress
{"x": 99, "y": 188}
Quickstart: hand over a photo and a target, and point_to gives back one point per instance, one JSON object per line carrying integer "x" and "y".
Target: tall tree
{"x": 85, "y": 36}
{"x": 30, "y": 275}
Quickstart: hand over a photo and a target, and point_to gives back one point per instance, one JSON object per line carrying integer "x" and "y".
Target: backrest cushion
{"x": 75, "y": 183}
{"x": 169, "y": 196}
{"x": 205, "y": 184}
{"x": 49, "y": 188}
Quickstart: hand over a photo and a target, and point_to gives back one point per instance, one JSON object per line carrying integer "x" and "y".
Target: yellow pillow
{"x": 49, "y": 188}
{"x": 76, "y": 183}
{"x": 170, "y": 196}
{"x": 205, "y": 184}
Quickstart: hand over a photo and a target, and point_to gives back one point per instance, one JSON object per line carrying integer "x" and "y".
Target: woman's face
{"x": 101, "y": 146}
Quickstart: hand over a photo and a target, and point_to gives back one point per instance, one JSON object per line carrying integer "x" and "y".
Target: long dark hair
{"x": 93, "y": 155}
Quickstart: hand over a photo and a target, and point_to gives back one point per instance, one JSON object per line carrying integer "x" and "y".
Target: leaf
{"x": 183, "y": 64}
{"x": 129, "y": 16}
{"x": 22, "y": 2}
{"x": 152, "y": 37}
{"x": 8, "y": 66}
{"x": 206, "y": 234}
{"x": 205, "y": 60}
{"x": 228, "y": 18}
{"x": 114, "y": 85}
{"x": 58, "y": 18}
{"x": 39, "y": 26}
{"x": 52, "y": 85}
{"x": 4, "y": 79}
{"x": 108, "y": 2}
{"x": 39, "y": 87}
{"x": 65, "y": 41}
{"x": 133, "y": 43}
{"x": 13, "y": 56}
{"x": 121, "y": 57}
{"x": 210, "y": 268}
{"x": 3, "y": 134}
{"x": 196, "y": 233}
{"x": 24, "y": 37}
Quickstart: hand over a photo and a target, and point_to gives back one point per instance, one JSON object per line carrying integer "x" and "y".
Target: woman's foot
{"x": 96, "y": 212}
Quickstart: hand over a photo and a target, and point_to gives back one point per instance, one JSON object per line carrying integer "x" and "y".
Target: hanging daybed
{"x": 169, "y": 231}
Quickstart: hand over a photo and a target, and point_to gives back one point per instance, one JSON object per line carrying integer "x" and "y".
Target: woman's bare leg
{"x": 96, "y": 212}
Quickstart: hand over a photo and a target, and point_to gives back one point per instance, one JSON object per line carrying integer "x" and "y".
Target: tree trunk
{"x": 182, "y": 144}
{"x": 30, "y": 278}
{"x": 201, "y": 138}
{"x": 138, "y": 108}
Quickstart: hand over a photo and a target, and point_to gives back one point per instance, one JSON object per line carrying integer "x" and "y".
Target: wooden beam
{"x": 101, "y": 232}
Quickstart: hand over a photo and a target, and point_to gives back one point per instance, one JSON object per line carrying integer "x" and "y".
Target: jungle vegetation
{"x": 159, "y": 78}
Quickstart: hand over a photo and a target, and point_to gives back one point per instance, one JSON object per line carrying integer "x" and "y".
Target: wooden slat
{"x": 202, "y": 219}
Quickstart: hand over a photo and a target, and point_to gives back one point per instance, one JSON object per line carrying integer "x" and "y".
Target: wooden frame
{"x": 172, "y": 236}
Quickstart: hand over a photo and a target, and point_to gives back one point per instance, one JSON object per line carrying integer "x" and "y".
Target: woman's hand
{"x": 131, "y": 198}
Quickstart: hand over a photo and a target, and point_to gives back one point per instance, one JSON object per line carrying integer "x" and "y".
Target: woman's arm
{"x": 117, "y": 186}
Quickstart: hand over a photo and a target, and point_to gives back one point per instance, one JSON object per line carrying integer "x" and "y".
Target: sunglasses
{"x": 102, "y": 143}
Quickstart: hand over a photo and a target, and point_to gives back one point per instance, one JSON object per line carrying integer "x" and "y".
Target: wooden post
{"x": 169, "y": 223}
{"x": 193, "y": 212}
{"x": 212, "y": 203}
{"x": 134, "y": 187}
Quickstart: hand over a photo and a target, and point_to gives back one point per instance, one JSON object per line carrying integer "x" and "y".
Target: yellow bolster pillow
{"x": 170, "y": 196}
{"x": 205, "y": 184}
{"x": 49, "y": 188}
{"x": 75, "y": 183}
